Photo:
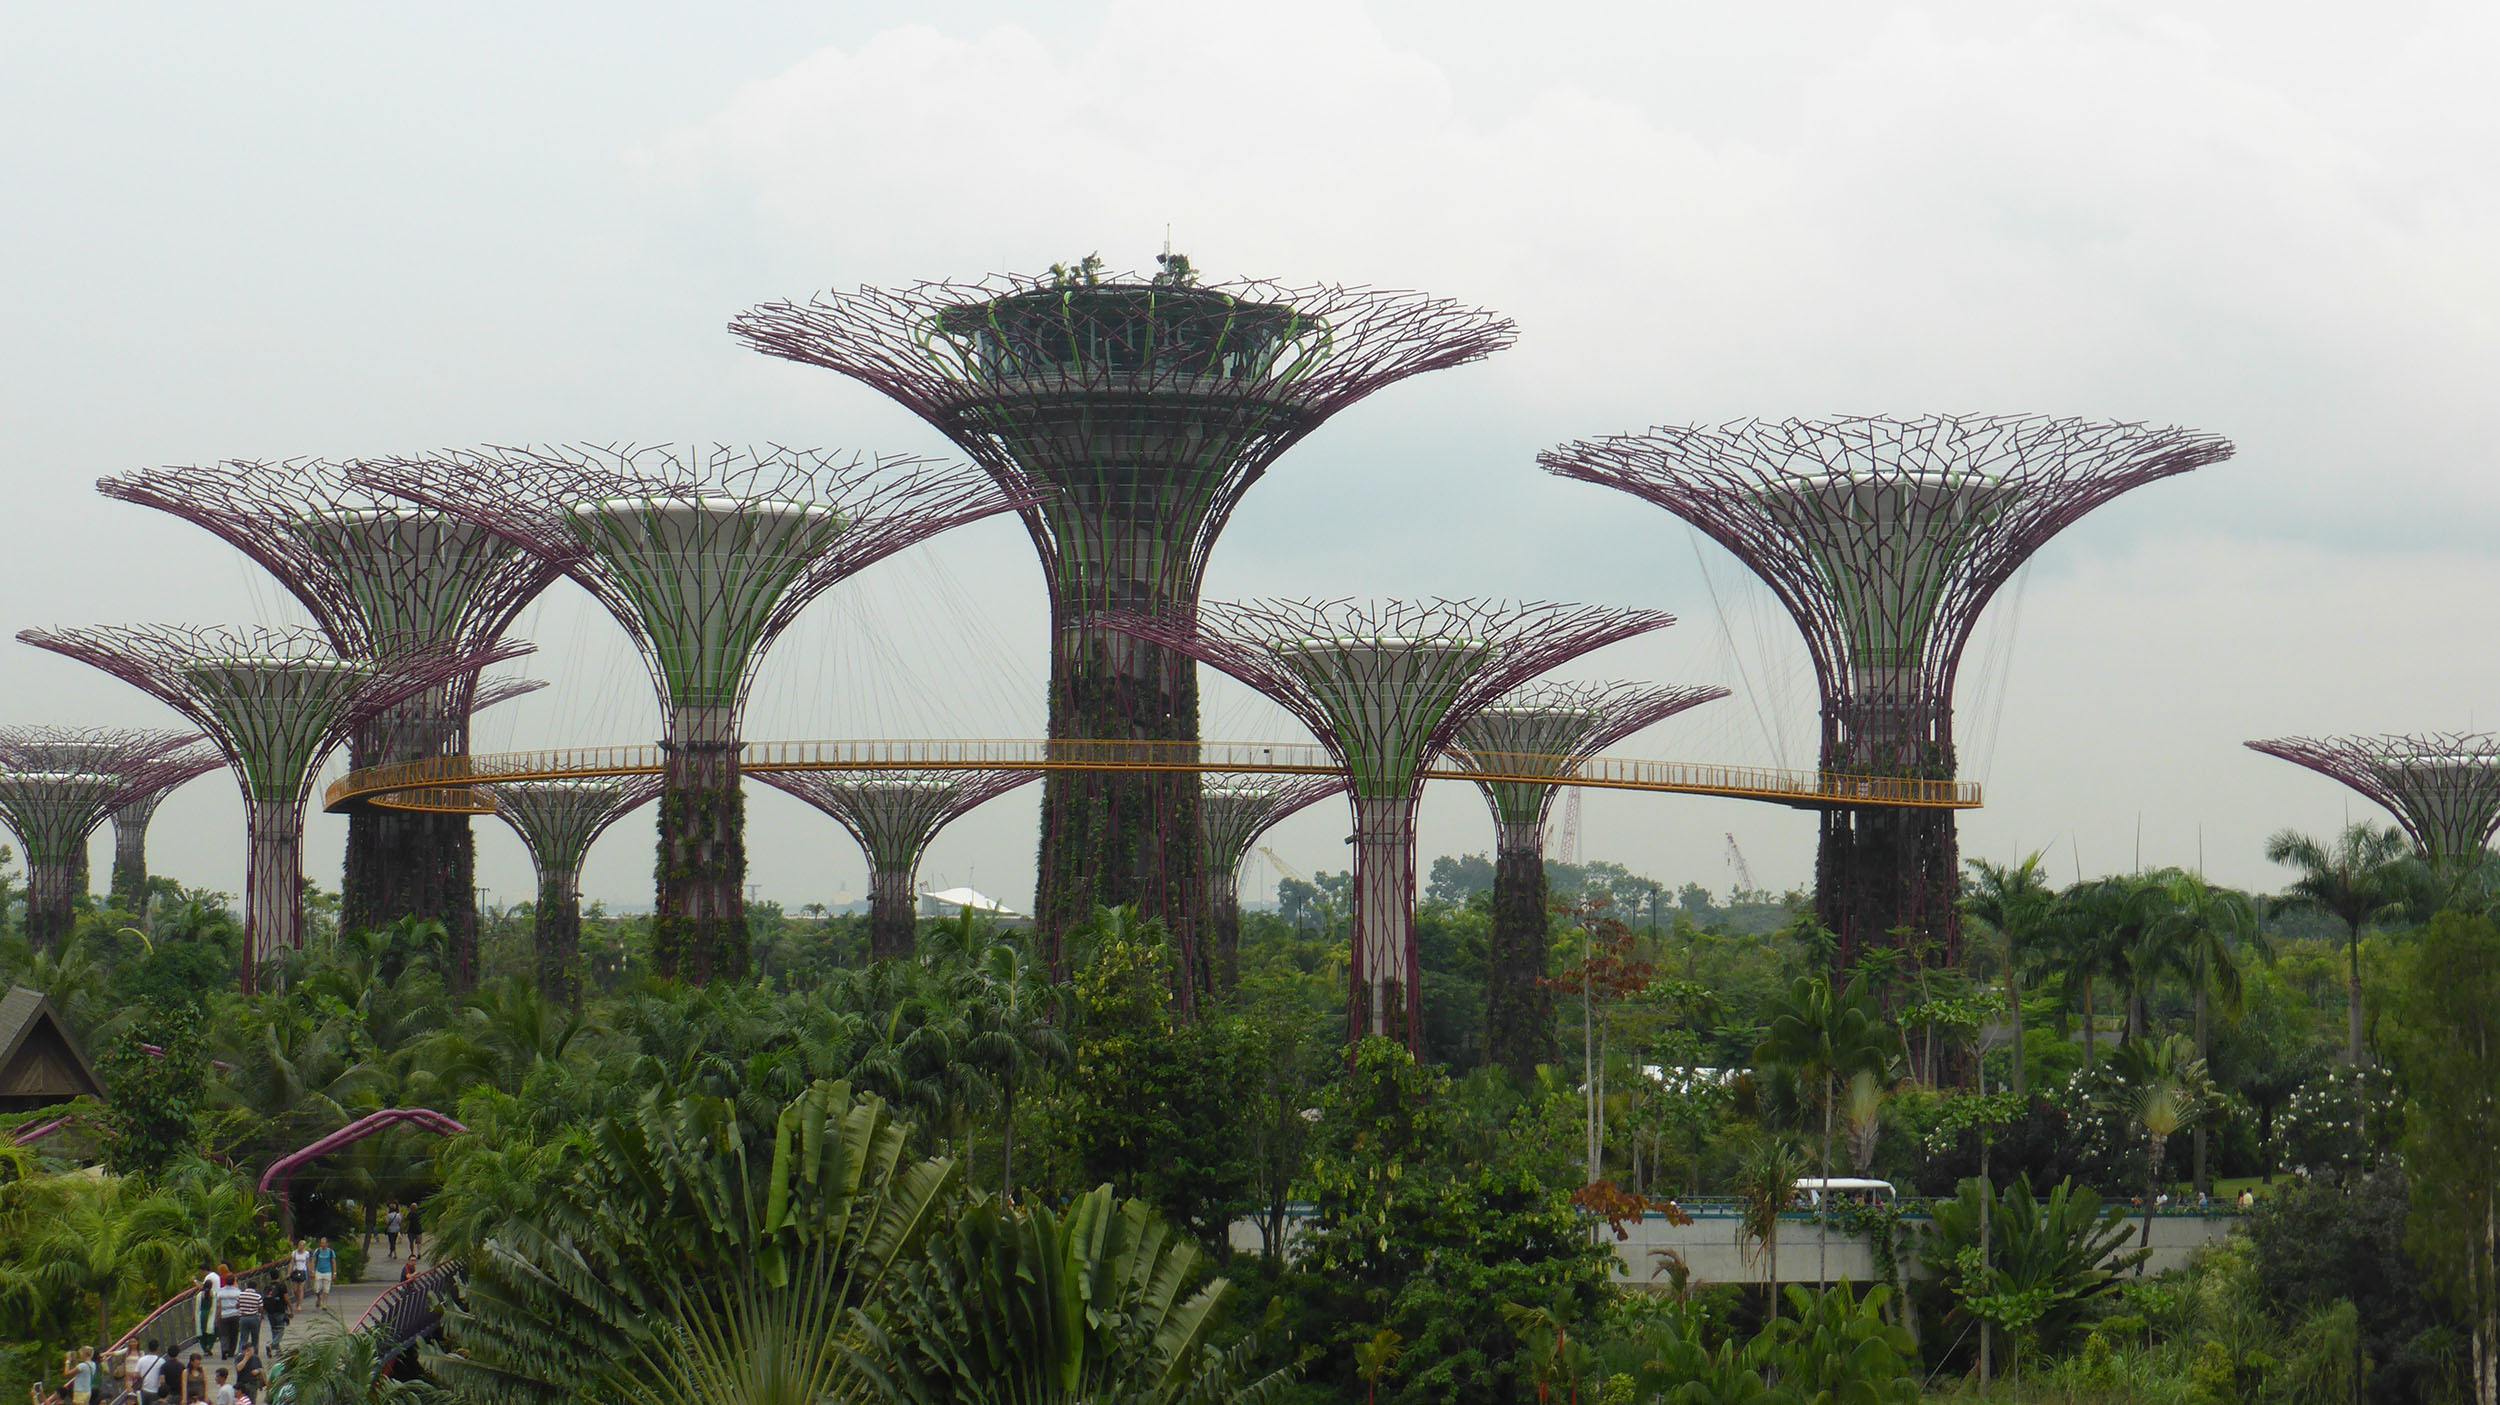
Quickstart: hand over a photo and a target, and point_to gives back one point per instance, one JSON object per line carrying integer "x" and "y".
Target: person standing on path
{"x": 391, "y": 1224}
{"x": 298, "y": 1273}
{"x": 277, "y": 1312}
{"x": 414, "y": 1233}
{"x": 204, "y": 1307}
{"x": 229, "y": 1306}
{"x": 248, "y": 1303}
{"x": 150, "y": 1369}
{"x": 325, "y": 1269}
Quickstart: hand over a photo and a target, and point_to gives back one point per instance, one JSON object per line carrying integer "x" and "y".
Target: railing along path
{"x": 444, "y": 783}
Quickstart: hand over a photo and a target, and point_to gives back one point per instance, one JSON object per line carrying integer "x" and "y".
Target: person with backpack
{"x": 149, "y": 1369}
{"x": 277, "y": 1312}
{"x": 325, "y": 1269}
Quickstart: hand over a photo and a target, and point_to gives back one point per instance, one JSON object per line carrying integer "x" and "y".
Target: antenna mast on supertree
{"x": 895, "y": 815}
{"x": 558, "y": 821}
{"x": 1232, "y": 814}
{"x": 1544, "y": 730}
{"x": 56, "y": 785}
{"x": 1147, "y": 406}
{"x": 275, "y": 702}
{"x": 1384, "y": 687}
{"x": 136, "y": 807}
{"x": 704, "y": 557}
{"x": 2443, "y": 787}
{"x": 378, "y": 576}
{"x": 1885, "y": 539}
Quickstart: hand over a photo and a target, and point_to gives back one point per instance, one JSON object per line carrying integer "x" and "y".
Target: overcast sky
{"x": 261, "y": 230}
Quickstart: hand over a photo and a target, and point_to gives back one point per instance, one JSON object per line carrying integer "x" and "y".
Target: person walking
{"x": 248, "y": 1304}
{"x": 204, "y": 1307}
{"x": 150, "y": 1371}
{"x": 298, "y": 1273}
{"x": 414, "y": 1233}
{"x": 277, "y": 1312}
{"x": 247, "y": 1374}
{"x": 229, "y": 1302}
{"x": 391, "y": 1225}
{"x": 195, "y": 1382}
{"x": 325, "y": 1269}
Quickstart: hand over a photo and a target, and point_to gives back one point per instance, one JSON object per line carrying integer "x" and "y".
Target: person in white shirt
{"x": 150, "y": 1369}
{"x": 229, "y": 1311}
{"x": 299, "y": 1270}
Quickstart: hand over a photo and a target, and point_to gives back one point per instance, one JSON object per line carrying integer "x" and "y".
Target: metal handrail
{"x": 408, "y": 1310}
{"x": 443, "y": 782}
{"x": 271, "y": 1274}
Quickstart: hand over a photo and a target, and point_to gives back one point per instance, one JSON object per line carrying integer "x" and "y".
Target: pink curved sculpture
{"x": 273, "y": 1181}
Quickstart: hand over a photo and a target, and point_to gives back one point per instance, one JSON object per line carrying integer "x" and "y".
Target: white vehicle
{"x": 1844, "y": 1189}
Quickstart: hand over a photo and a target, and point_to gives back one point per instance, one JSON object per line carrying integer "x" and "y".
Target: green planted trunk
{"x": 556, "y": 937}
{"x": 1518, "y": 1006}
{"x": 699, "y": 931}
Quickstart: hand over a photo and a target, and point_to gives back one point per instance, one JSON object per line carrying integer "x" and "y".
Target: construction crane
{"x": 1278, "y": 863}
{"x": 1744, "y": 871}
{"x": 1568, "y": 851}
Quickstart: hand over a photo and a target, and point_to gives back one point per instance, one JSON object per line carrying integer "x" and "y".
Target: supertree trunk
{"x": 273, "y": 882}
{"x": 1518, "y": 1005}
{"x": 1115, "y": 838}
{"x": 51, "y": 891}
{"x": 893, "y": 922}
{"x": 404, "y": 863}
{"x": 556, "y": 937}
{"x": 1384, "y": 1000}
{"x": 130, "y": 853}
{"x": 699, "y": 932}
{"x": 1223, "y": 930}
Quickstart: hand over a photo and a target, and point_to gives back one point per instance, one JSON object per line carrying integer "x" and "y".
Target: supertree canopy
{"x": 275, "y": 702}
{"x": 1885, "y": 539}
{"x": 1232, "y": 814}
{"x": 378, "y": 576}
{"x": 2443, "y": 787}
{"x": 1519, "y": 747}
{"x": 558, "y": 821}
{"x": 1384, "y": 687}
{"x": 1147, "y": 406}
{"x": 56, "y": 785}
{"x": 895, "y": 815}
{"x": 704, "y": 557}
{"x": 132, "y": 811}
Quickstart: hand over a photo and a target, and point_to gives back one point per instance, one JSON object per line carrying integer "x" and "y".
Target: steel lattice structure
{"x": 275, "y": 702}
{"x": 57, "y": 785}
{"x": 1232, "y": 814}
{"x": 378, "y": 576}
{"x": 704, "y": 557}
{"x": 136, "y": 807}
{"x": 1385, "y": 686}
{"x": 895, "y": 816}
{"x": 1147, "y": 406}
{"x": 2443, "y": 787}
{"x": 1885, "y": 538}
{"x": 558, "y": 821}
{"x": 1553, "y": 726}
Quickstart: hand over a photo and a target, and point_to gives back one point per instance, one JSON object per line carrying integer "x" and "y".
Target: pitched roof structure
{"x": 40, "y": 1064}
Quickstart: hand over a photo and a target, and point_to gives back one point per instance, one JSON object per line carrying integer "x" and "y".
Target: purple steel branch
{"x": 56, "y": 785}
{"x": 2443, "y": 787}
{"x": 895, "y": 815}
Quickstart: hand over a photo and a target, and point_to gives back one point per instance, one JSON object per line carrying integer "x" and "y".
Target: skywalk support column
{"x": 1384, "y": 687}
{"x": 704, "y": 557}
{"x": 895, "y": 816}
{"x": 275, "y": 702}
{"x": 1145, "y": 407}
{"x": 1232, "y": 815}
{"x": 1544, "y": 730}
{"x": 558, "y": 821}
{"x": 1885, "y": 539}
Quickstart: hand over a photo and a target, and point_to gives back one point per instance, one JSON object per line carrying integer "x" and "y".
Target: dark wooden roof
{"x": 39, "y": 1062}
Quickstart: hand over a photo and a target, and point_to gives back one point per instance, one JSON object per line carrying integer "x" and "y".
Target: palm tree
{"x": 1014, "y": 1013}
{"x": 1824, "y": 1037}
{"x": 2199, "y": 929}
{"x": 2161, "y": 1089}
{"x": 2359, "y": 879}
{"x": 2095, "y": 941}
{"x": 95, "y": 1240}
{"x": 2018, "y": 904}
{"x": 1766, "y": 1181}
{"x": 1374, "y": 1359}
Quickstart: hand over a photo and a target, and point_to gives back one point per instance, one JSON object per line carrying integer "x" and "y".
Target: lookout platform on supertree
{"x": 1146, "y": 406}
{"x": 1559, "y": 727}
{"x": 2443, "y": 787}
{"x": 895, "y": 815}
{"x": 1885, "y": 539}
{"x": 704, "y": 556}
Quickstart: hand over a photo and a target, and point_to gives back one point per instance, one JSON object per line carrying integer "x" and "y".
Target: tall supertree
{"x": 2443, "y": 787}
{"x": 57, "y": 785}
{"x": 1885, "y": 539}
{"x": 558, "y": 821}
{"x": 275, "y": 702}
{"x": 136, "y": 807}
{"x": 379, "y": 577}
{"x": 1147, "y": 406}
{"x": 1232, "y": 814}
{"x": 895, "y": 815}
{"x": 704, "y": 557}
{"x": 1518, "y": 748}
{"x": 1384, "y": 687}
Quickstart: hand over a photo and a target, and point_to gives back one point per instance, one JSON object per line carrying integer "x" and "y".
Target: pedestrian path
{"x": 347, "y": 1303}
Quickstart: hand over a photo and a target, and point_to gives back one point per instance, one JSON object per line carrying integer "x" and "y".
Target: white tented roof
{"x": 971, "y": 898}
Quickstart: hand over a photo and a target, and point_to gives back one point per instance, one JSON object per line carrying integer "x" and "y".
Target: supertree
{"x": 135, "y": 808}
{"x": 378, "y": 576}
{"x": 56, "y": 785}
{"x": 1232, "y": 814}
{"x": 275, "y": 702}
{"x": 1518, "y": 748}
{"x": 1884, "y": 539}
{"x": 1384, "y": 687}
{"x": 895, "y": 815}
{"x": 1147, "y": 406}
{"x": 2443, "y": 787}
{"x": 705, "y": 557}
{"x": 558, "y": 821}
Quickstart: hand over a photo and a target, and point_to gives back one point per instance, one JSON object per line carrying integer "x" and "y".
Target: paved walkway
{"x": 348, "y": 1302}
